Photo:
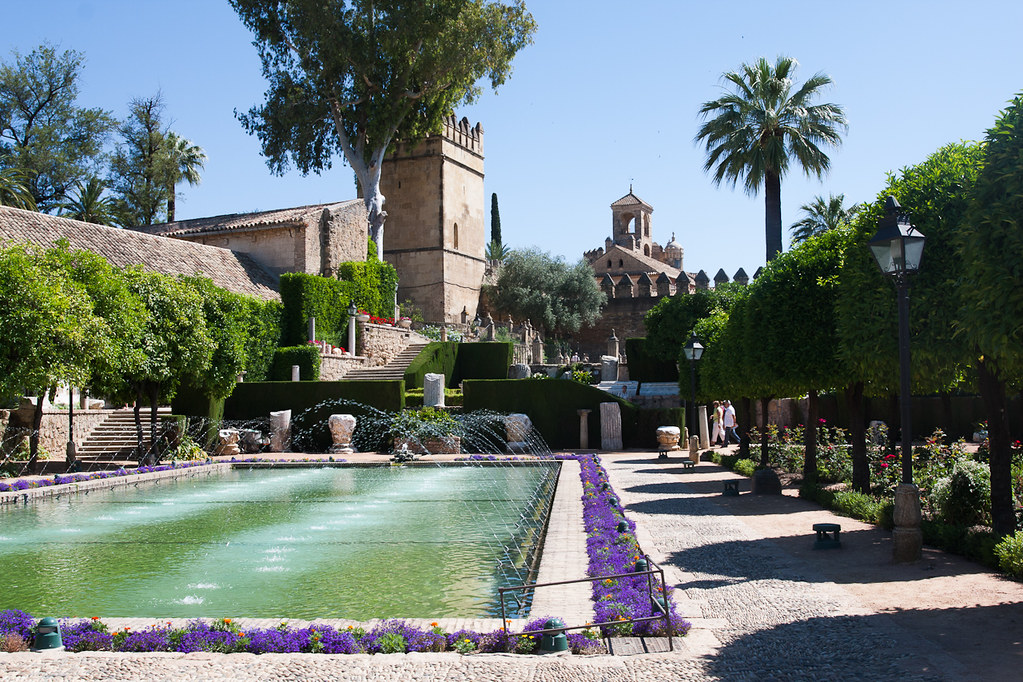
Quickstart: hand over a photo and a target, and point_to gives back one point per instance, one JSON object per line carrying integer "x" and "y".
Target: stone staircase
{"x": 114, "y": 437}
{"x": 392, "y": 371}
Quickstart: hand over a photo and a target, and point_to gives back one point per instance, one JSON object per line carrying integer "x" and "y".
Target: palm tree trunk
{"x": 170, "y": 205}
{"x": 772, "y": 204}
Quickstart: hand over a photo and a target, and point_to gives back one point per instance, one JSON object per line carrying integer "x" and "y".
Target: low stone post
{"x": 517, "y": 427}
{"x": 701, "y": 416}
{"x": 694, "y": 449}
{"x": 433, "y": 390}
{"x": 444, "y": 333}
{"x": 296, "y": 373}
{"x": 907, "y": 536}
{"x": 609, "y": 367}
{"x": 612, "y": 345}
{"x": 342, "y": 426}
{"x": 280, "y": 431}
{"x": 312, "y": 328}
{"x": 584, "y": 428}
{"x": 610, "y": 426}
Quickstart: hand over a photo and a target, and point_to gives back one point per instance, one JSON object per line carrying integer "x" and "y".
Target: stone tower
{"x": 435, "y": 232}
{"x": 630, "y": 224}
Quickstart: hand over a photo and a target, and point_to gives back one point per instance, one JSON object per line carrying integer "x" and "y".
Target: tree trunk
{"x": 154, "y": 400}
{"x": 810, "y": 439}
{"x": 764, "y": 402}
{"x": 170, "y": 204}
{"x": 772, "y": 205}
{"x": 33, "y": 438}
{"x": 858, "y": 436}
{"x": 992, "y": 391}
{"x": 743, "y": 428}
{"x": 139, "y": 453}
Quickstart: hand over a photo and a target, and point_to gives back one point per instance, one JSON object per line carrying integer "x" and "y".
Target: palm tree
{"x": 822, "y": 215}
{"x": 14, "y": 189}
{"x": 91, "y": 206}
{"x": 496, "y": 251}
{"x": 760, "y": 126}
{"x": 185, "y": 160}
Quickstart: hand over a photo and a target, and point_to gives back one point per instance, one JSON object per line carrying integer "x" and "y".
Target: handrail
{"x": 650, "y": 572}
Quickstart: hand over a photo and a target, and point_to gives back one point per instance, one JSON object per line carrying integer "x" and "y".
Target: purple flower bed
{"x": 24, "y": 484}
{"x": 610, "y": 552}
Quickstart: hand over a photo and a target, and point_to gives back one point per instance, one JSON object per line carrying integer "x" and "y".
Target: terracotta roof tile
{"x": 238, "y": 221}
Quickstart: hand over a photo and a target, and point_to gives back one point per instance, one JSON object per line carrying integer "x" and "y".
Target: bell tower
{"x": 630, "y": 223}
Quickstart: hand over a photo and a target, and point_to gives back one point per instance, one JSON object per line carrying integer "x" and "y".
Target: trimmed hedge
{"x": 264, "y": 335}
{"x": 551, "y": 405}
{"x": 257, "y": 400}
{"x": 645, "y": 367}
{"x": 460, "y": 361}
{"x": 307, "y": 358}
{"x": 373, "y": 285}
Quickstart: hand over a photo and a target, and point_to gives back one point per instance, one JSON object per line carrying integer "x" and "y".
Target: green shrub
{"x": 645, "y": 367}
{"x": 964, "y": 498}
{"x": 307, "y": 358}
{"x": 452, "y": 397}
{"x": 858, "y": 505}
{"x": 973, "y": 542}
{"x": 744, "y": 467}
{"x": 1010, "y": 554}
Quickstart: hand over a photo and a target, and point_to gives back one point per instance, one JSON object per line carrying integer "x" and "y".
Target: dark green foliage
{"x": 460, "y": 361}
{"x": 452, "y": 397}
{"x": 973, "y": 542}
{"x": 555, "y": 297}
{"x": 307, "y": 357}
{"x": 263, "y": 335}
{"x": 258, "y": 400}
{"x": 370, "y": 285}
{"x": 552, "y": 406}
{"x": 495, "y": 220}
{"x": 643, "y": 366}
{"x": 649, "y": 419}
{"x": 964, "y": 498}
{"x": 227, "y": 328}
{"x": 1010, "y": 554}
{"x": 670, "y": 323}
{"x": 744, "y": 467}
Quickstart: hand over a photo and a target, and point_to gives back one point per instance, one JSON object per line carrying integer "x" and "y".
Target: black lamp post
{"x": 898, "y": 248}
{"x": 693, "y": 351}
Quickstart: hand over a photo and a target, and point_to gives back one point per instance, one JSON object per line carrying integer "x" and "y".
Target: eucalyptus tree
{"x": 822, "y": 215}
{"x": 990, "y": 242}
{"x": 755, "y": 131}
{"x": 44, "y": 133}
{"x": 351, "y": 77}
{"x": 184, "y": 163}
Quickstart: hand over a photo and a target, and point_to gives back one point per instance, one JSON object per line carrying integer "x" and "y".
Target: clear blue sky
{"x": 607, "y": 96}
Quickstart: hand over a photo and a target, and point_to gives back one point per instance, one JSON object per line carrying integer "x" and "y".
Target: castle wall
{"x": 623, "y": 315}
{"x": 279, "y": 250}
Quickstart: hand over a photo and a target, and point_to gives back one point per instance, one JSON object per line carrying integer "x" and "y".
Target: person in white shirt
{"x": 730, "y": 423}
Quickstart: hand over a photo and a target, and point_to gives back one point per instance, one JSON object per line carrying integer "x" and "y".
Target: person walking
{"x": 717, "y": 434}
{"x": 728, "y": 420}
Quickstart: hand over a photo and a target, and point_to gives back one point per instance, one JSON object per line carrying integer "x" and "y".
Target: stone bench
{"x": 688, "y": 464}
{"x": 827, "y": 536}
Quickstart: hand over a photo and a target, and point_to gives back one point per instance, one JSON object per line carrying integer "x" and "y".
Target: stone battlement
{"x": 463, "y": 134}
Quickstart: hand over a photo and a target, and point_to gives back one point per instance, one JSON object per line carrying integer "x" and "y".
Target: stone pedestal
{"x": 518, "y": 371}
{"x": 701, "y": 417}
{"x": 610, "y": 426}
{"x": 907, "y": 538}
{"x": 228, "y": 442}
{"x": 584, "y": 428}
{"x": 612, "y": 345}
{"x": 517, "y": 427}
{"x": 280, "y": 431}
{"x": 296, "y": 373}
{"x": 694, "y": 450}
{"x": 609, "y": 368}
{"x": 537, "y": 351}
{"x": 433, "y": 390}
{"x": 250, "y": 440}
{"x": 342, "y": 426}
{"x": 765, "y": 482}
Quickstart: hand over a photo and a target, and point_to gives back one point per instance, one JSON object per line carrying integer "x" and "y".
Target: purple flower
{"x": 150, "y": 639}
{"x": 18, "y": 622}
{"x": 200, "y": 636}
{"x": 85, "y": 635}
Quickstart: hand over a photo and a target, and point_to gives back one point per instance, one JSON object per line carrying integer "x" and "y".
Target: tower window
{"x": 456, "y": 235}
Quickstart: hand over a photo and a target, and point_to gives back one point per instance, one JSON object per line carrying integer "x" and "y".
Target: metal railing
{"x": 655, "y": 569}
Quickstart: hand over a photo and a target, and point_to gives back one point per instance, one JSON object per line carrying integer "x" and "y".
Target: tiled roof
{"x": 240, "y": 221}
{"x": 631, "y": 199}
{"x": 233, "y": 271}
{"x": 649, "y": 264}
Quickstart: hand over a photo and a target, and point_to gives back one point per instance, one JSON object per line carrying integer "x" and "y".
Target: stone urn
{"x": 228, "y": 443}
{"x": 404, "y": 323}
{"x": 517, "y": 427}
{"x": 667, "y": 439}
{"x": 362, "y": 317}
{"x": 342, "y": 426}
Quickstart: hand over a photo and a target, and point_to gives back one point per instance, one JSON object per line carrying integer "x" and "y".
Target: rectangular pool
{"x": 304, "y": 543}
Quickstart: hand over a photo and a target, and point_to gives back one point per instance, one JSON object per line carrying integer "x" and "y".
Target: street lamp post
{"x": 693, "y": 351}
{"x": 898, "y": 248}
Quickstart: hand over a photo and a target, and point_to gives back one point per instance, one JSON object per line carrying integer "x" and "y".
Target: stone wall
{"x": 623, "y": 315}
{"x": 381, "y": 343}
{"x": 54, "y": 428}
{"x": 335, "y": 367}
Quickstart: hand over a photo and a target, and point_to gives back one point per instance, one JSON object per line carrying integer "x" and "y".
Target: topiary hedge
{"x": 258, "y": 400}
{"x": 460, "y": 361}
{"x": 307, "y": 358}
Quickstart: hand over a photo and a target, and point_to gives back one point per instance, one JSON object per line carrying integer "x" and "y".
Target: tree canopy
{"x": 755, "y": 131}
{"x": 820, "y": 216}
{"x": 351, "y": 77}
{"x": 43, "y": 132}
{"x": 552, "y": 295}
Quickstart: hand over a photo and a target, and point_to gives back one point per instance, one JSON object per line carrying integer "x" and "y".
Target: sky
{"x": 606, "y": 97}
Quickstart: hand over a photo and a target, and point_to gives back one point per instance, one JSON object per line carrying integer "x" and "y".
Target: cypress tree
{"x": 495, "y": 220}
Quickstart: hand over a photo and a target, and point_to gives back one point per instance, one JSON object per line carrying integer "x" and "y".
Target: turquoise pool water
{"x": 304, "y": 543}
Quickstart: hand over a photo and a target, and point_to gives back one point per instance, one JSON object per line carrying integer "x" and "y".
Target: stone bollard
{"x": 610, "y": 426}
{"x": 296, "y": 373}
{"x": 907, "y": 537}
{"x": 701, "y": 416}
{"x": 280, "y": 431}
{"x": 433, "y": 390}
{"x": 228, "y": 443}
{"x": 517, "y": 427}
{"x": 584, "y": 428}
{"x": 609, "y": 368}
{"x": 342, "y": 426}
{"x": 694, "y": 449}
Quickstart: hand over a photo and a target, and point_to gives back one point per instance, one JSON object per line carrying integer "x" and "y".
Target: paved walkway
{"x": 764, "y": 605}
